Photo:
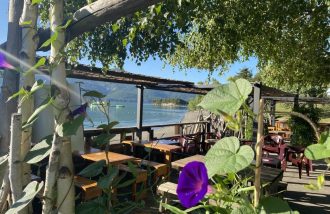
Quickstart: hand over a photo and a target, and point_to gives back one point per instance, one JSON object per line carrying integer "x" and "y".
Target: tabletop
{"x": 155, "y": 145}
{"x": 114, "y": 158}
{"x": 179, "y": 164}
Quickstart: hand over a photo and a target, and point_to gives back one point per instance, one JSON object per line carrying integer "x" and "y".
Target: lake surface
{"x": 126, "y": 116}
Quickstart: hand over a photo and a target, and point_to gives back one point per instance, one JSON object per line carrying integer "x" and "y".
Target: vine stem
{"x": 304, "y": 117}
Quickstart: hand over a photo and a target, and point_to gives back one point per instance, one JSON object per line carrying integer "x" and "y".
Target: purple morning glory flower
{"x": 79, "y": 111}
{"x": 4, "y": 63}
{"x": 193, "y": 184}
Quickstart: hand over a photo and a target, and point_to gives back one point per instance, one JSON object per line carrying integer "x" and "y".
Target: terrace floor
{"x": 303, "y": 199}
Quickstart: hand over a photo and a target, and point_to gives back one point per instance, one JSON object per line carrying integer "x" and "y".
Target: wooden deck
{"x": 305, "y": 200}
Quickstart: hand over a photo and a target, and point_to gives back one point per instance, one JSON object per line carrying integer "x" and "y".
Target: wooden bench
{"x": 166, "y": 190}
{"x": 161, "y": 170}
{"x": 141, "y": 178}
{"x": 88, "y": 188}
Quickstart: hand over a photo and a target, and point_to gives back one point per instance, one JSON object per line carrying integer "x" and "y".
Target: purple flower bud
{"x": 79, "y": 111}
{"x": 193, "y": 184}
{"x": 4, "y": 63}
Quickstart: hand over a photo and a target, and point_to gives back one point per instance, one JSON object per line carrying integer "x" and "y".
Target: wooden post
{"x": 139, "y": 111}
{"x": 258, "y": 149}
{"x": 256, "y": 107}
{"x": 15, "y": 163}
{"x": 272, "y": 112}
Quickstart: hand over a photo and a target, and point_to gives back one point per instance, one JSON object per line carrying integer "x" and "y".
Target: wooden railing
{"x": 91, "y": 132}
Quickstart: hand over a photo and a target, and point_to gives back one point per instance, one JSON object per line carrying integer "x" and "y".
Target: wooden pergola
{"x": 148, "y": 82}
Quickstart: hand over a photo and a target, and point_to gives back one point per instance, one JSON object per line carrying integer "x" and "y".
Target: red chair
{"x": 297, "y": 158}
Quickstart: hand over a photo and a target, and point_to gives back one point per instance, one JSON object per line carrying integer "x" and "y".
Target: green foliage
{"x": 193, "y": 103}
{"x": 274, "y": 205}
{"x": 93, "y": 169}
{"x": 169, "y": 101}
{"x": 302, "y": 133}
{"x": 95, "y": 94}
{"x": 39, "y": 151}
{"x": 244, "y": 73}
{"x": 70, "y": 127}
{"x": 321, "y": 150}
{"x": 227, "y": 98}
{"x": 29, "y": 192}
{"x": 226, "y": 156}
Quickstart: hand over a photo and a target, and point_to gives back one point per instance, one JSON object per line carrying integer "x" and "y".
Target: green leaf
{"x": 317, "y": 152}
{"x": 325, "y": 138}
{"x": 29, "y": 192}
{"x": 21, "y": 92}
{"x": 105, "y": 181}
{"x": 226, "y": 156}
{"x": 95, "y": 207}
{"x": 26, "y": 125}
{"x": 103, "y": 139}
{"x": 36, "y": 2}
{"x": 158, "y": 8}
{"x": 93, "y": 169}
{"x": 173, "y": 209}
{"x": 108, "y": 127}
{"x": 319, "y": 184}
{"x": 50, "y": 40}
{"x": 37, "y": 85}
{"x": 47, "y": 102}
{"x": 94, "y": 94}
{"x": 125, "y": 41}
{"x": 126, "y": 183}
{"x": 115, "y": 27}
{"x": 132, "y": 169}
{"x": 228, "y": 98}
{"x": 64, "y": 26}
{"x": 274, "y": 205}
{"x": 25, "y": 23}
{"x": 39, "y": 151}
{"x": 40, "y": 62}
{"x": 70, "y": 127}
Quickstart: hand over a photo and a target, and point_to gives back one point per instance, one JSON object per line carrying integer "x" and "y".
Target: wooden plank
{"x": 179, "y": 164}
{"x": 114, "y": 158}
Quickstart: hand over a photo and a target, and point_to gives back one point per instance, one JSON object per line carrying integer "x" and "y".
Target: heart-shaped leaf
{"x": 274, "y": 205}
{"x": 29, "y": 192}
{"x": 39, "y": 151}
{"x": 228, "y": 98}
{"x": 226, "y": 156}
{"x": 70, "y": 127}
{"x": 320, "y": 150}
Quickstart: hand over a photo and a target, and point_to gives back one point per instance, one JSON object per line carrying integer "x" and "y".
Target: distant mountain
{"x": 126, "y": 92}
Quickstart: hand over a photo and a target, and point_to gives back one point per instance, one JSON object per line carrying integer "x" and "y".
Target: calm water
{"x": 126, "y": 116}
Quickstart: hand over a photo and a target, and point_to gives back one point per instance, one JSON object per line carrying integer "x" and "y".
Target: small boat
{"x": 96, "y": 105}
{"x": 120, "y": 106}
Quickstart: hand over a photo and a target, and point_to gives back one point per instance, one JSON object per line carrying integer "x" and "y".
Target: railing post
{"x": 139, "y": 111}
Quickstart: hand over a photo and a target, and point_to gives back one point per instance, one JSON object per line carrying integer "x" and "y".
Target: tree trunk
{"x": 51, "y": 175}
{"x": 10, "y": 78}
{"x": 15, "y": 163}
{"x": 27, "y": 57}
{"x": 65, "y": 189}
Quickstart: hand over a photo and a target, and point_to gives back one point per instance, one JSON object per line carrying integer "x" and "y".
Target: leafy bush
{"x": 302, "y": 132}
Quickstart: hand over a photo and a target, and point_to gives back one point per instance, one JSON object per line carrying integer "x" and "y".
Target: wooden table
{"x": 165, "y": 148}
{"x": 179, "y": 164}
{"x": 114, "y": 158}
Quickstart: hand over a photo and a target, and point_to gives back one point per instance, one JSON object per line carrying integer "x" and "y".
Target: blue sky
{"x": 150, "y": 67}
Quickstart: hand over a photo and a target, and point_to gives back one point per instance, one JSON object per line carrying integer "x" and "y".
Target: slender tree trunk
{"x": 65, "y": 189}
{"x": 51, "y": 175}
{"x": 257, "y": 177}
{"x": 9, "y": 87}
{"x": 15, "y": 162}
{"x": 10, "y": 78}
{"x": 27, "y": 57}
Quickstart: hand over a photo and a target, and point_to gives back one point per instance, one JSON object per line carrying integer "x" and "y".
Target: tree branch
{"x": 95, "y": 14}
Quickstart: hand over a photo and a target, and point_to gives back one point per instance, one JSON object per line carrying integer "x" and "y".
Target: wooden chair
{"x": 89, "y": 189}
